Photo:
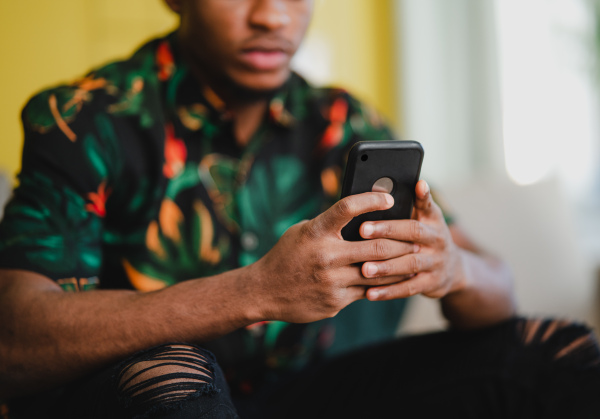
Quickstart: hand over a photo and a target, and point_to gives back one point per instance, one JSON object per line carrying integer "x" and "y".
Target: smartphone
{"x": 382, "y": 166}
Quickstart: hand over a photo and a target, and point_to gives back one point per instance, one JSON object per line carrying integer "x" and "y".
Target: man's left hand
{"x": 434, "y": 271}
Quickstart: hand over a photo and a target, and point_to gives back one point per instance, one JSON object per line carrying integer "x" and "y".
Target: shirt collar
{"x": 193, "y": 103}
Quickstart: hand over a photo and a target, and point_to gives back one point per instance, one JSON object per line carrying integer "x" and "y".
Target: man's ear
{"x": 174, "y": 5}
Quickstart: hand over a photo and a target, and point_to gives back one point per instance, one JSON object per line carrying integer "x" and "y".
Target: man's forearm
{"x": 487, "y": 297}
{"x": 49, "y": 337}
{"x": 62, "y": 336}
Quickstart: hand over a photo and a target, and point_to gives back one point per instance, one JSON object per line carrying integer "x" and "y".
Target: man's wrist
{"x": 251, "y": 296}
{"x": 461, "y": 280}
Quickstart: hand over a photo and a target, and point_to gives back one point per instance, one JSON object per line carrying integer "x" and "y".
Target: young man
{"x": 188, "y": 195}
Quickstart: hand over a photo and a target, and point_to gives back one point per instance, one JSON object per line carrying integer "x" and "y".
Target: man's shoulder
{"x": 321, "y": 94}
{"x": 114, "y": 87}
{"x": 337, "y": 104}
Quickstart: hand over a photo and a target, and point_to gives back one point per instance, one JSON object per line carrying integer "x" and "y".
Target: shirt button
{"x": 357, "y": 123}
{"x": 249, "y": 241}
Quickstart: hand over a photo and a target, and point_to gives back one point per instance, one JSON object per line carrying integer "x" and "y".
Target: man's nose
{"x": 270, "y": 14}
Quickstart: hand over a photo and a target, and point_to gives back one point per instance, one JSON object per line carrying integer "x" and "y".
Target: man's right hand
{"x": 312, "y": 272}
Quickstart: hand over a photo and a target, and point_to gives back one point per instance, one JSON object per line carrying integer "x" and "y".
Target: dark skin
{"x": 248, "y": 60}
{"x": 49, "y": 337}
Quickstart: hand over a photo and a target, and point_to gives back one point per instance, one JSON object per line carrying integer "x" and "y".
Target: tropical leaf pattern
{"x": 132, "y": 178}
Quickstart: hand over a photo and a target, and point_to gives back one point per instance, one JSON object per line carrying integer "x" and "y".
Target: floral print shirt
{"x": 132, "y": 178}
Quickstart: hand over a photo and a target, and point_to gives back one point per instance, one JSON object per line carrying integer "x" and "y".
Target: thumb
{"x": 425, "y": 207}
{"x": 340, "y": 214}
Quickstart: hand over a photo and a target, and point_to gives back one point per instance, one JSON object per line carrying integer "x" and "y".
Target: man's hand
{"x": 434, "y": 270}
{"x": 312, "y": 272}
{"x": 475, "y": 288}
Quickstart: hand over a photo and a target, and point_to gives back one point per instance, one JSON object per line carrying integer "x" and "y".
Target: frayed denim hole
{"x": 566, "y": 342}
{"x": 165, "y": 375}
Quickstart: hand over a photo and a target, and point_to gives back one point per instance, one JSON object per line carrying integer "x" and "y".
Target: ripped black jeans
{"x": 519, "y": 369}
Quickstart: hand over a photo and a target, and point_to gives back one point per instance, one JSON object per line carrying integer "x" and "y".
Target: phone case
{"x": 370, "y": 161}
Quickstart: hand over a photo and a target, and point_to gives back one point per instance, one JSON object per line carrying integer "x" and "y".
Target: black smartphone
{"x": 382, "y": 166}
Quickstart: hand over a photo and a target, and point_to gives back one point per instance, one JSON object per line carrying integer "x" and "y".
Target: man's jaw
{"x": 258, "y": 71}
{"x": 244, "y": 94}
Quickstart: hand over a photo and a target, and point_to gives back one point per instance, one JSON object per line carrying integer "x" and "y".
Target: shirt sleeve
{"x": 53, "y": 223}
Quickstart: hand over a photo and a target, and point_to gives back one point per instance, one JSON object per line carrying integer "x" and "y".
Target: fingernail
{"x": 376, "y": 294}
{"x": 371, "y": 269}
{"x": 426, "y": 187}
{"x": 368, "y": 229}
{"x": 389, "y": 199}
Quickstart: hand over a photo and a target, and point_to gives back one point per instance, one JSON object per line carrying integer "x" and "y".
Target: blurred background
{"x": 503, "y": 94}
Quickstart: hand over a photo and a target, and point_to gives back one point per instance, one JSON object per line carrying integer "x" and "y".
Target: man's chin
{"x": 247, "y": 94}
{"x": 259, "y": 86}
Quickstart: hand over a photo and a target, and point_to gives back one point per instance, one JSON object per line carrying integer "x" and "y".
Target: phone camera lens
{"x": 364, "y": 157}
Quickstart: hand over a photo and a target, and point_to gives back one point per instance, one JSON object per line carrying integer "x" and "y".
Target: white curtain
{"x": 502, "y": 88}
{"x": 450, "y": 89}
{"x": 502, "y": 96}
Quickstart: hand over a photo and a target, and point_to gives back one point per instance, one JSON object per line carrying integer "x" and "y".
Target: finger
{"x": 419, "y": 284}
{"x": 347, "y": 208}
{"x": 348, "y": 276}
{"x": 355, "y": 293}
{"x": 382, "y": 280}
{"x": 377, "y": 249}
{"x": 424, "y": 204}
{"x": 352, "y": 277}
{"x": 405, "y": 265}
{"x": 403, "y": 230}
{"x": 422, "y": 193}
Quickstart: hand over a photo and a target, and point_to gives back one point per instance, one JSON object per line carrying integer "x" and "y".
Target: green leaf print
{"x": 276, "y": 196}
{"x": 51, "y": 222}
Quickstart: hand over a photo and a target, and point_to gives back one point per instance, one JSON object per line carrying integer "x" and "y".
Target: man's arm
{"x": 488, "y": 296}
{"x": 475, "y": 289}
{"x": 49, "y": 337}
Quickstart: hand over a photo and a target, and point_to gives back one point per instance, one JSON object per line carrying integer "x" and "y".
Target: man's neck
{"x": 248, "y": 108}
{"x": 247, "y": 118}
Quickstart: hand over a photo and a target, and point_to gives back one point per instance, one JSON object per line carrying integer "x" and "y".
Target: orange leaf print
{"x": 214, "y": 99}
{"x": 338, "y": 113}
{"x": 255, "y": 325}
{"x": 332, "y": 136}
{"x": 208, "y": 253}
{"x": 276, "y": 109}
{"x": 190, "y": 116}
{"x": 165, "y": 61}
{"x": 60, "y": 122}
{"x": 330, "y": 179}
{"x": 279, "y": 114}
{"x": 82, "y": 93}
{"x": 153, "y": 241}
{"x": 98, "y": 200}
{"x": 175, "y": 153}
{"x": 140, "y": 281}
{"x": 170, "y": 218}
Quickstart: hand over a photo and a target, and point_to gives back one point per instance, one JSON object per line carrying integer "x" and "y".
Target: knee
{"x": 163, "y": 377}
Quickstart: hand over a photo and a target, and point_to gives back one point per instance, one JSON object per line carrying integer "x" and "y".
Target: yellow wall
{"x": 361, "y": 34}
{"x": 46, "y": 42}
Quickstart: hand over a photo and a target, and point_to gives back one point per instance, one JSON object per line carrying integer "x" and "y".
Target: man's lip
{"x": 263, "y": 59}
